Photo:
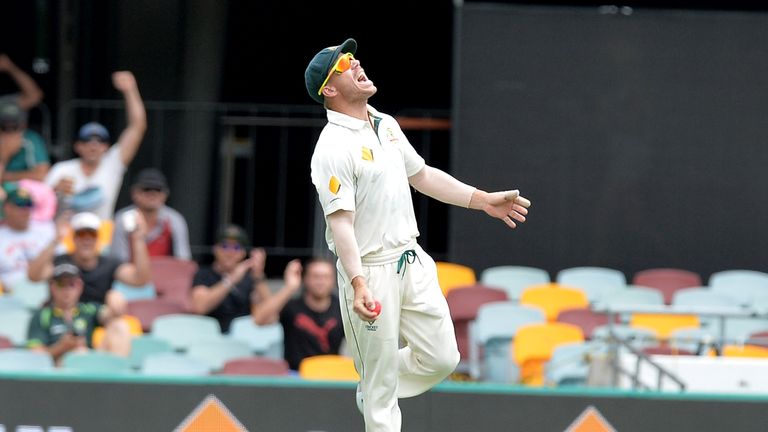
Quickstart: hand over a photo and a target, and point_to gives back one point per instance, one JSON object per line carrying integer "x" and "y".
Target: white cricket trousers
{"x": 414, "y": 310}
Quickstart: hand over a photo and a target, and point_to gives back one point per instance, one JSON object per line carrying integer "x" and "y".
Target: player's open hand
{"x": 508, "y": 206}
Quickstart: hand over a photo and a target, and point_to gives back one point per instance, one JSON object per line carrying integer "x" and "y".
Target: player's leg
{"x": 431, "y": 352}
{"x": 374, "y": 347}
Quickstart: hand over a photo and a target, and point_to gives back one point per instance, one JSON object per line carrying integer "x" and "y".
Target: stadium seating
{"x": 5, "y": 342}
{"x": 143, "y": 346}
{"x": 637, "y": 337}
{"x": 667, "y": 280}
{"x": 534, "y": 344}
{"x": 514, "y": 279}
{"x": 214, "y": 353}
{"x": 14, "y": 324}
{"x": 491, "y": 332}
{"x": 331, "y": 367}
{"x": 181, "y": 330}
{"x": 744, "y": 351}
{"x": 148, "y": 310}
{"x": 693, "y": 340}
{"x": 451, "y": 275}
{"x": 569, "y": 364}
{"x": 98, "y": 362}
{"x": 173, "y": 364}
{"x": 31, "y": 294}
{"x": 585, "y": 318}
{"x": 742, "y": 285}
{"x": 24, "y": 360}
{"x": 594, "y": 281}
{"x": 553, "y": 298}
{"x": 463, "y": 303}
{"x": 264, "y": 340}
{"x": 256, "y": 366}
{"x": 172, "y": 278}
{"x": 664, "y": 324}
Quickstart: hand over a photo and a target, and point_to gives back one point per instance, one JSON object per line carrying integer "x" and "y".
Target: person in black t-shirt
{"x": 234, "y": 284}
{"x": 312, "y": 323}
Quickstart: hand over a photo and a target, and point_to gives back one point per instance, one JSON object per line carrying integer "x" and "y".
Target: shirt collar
{"x": 350, "y": 122}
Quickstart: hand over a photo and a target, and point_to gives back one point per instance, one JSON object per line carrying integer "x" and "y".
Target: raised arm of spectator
{"x": 31, "y": 93}
{"x": 268, "y": 310}
{"x": 136, "y": 116}
{"x": 138, "y": 271}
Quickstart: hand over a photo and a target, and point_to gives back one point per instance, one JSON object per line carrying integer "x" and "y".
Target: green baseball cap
{"x": 19, "y": 197}
{"x": 321, "y": 64}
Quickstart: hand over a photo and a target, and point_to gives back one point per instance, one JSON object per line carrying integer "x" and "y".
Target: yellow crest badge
{"x": 367, "y": 154}
{"x": 334, "y": 185}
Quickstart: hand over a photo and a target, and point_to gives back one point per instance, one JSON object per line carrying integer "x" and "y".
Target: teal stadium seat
{"x": 594, "y": 281}
{"x": 24, "y": 360}
{"x": 214, "y": 353}
{"x": 97, "y": 362}
{"x": 181, "y": 330}
{"x": 264, "y": 340}
{"x": 173, "y": 364}
{"x": 514, "y": 279}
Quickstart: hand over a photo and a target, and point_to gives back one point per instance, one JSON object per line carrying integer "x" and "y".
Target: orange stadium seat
{"x": 664, "y": 324}
{"x": 452, "y": 275}
{"x": 534, "y": 344}
{"x": 553, "y": 298}
{"x": 333, "y": 367}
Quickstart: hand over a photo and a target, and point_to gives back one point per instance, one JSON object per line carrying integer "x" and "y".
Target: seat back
{"x": 214, "y": 353}
{"x": 148, "y": 310}
{"x": 553, "y": 298}
{"x": 30, "y": 294}
{"x": 585, "y": 318}
{"x": 664, "y": 324}
{"x": 667, "y": 280}
{"x": 533, "y": 346}
{"x": 143, "y": 346}
{"x": 264, "y": 340}
{"x": 172, "y": 278}
{"x": 514, "y": 279}
{"x": 742, "y": 285}
{"x": 14, "y": 324}
{"x": 333, "y": 367}
{"x": 181, "y": 330}
{"x": 173, "y": 364}
{"x": 745, "y": 351}
{"x": 451, "y": 275}
{"x": 569, "y": 364}
{"x": 255, "y": 366}
{"x": 463, "y": 303}
{"x": 637, "y": 337}
{"x": 95, "y": 362}
{"x": 594, "y": 281}
{"x": 24, "y": 360}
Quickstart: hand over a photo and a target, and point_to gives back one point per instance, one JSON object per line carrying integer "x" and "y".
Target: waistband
{"x": 387, "y": 256}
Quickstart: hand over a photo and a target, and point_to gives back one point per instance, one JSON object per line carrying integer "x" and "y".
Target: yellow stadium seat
{"x": 452, "y": 275}
{"x": 332, "y": 367}
{"x": 534, "y": 344}
{"x": 553, "y": 298}
{"x": 103, "y": 240}
{"x": 745, "y": 351}
{"x": 134, "y": 326}
{"x": 664, "y": 324}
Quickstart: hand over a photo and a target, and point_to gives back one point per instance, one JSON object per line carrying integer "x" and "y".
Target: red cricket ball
{"x": 376, "y": 307}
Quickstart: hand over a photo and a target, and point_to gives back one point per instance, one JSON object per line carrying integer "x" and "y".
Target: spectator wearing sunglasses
{"x": 234, "y": 285}
{"x": 67, "y": 323}
{"x": 99, "y": 272}
{"x": 167, "y": 232}
{"x": 92, "y": 181}
{"x": 363, "y": 168}
{"x": 23, "y": 152}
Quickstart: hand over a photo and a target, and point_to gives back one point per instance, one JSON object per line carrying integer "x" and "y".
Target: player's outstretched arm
{"x": 508, "y": 206}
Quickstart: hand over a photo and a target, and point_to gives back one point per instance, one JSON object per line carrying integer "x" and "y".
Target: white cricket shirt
{"x": 363, "y": 168}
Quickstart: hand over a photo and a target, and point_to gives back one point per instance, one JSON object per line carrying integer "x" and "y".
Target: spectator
{"x": 312, "y": 323}
{"x": 97, "y": 271}
{"x": 21, "y": 238}
{"x": 167, "y": 232}
{"x": 23, "y": 153}
{"x": 93, "y": 180}
{"x": 234, "y": 284}
{"x": 67, "y": 323}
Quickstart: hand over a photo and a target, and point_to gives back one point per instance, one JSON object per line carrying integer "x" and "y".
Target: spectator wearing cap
{"x": 21, "y": 237}
{"x": 167, "y": 232}
{"x": 99, "y": 272}
{"x": 234, "y": 285}
{"x": 66, "y": 324}
{"x": 97, "y": 174}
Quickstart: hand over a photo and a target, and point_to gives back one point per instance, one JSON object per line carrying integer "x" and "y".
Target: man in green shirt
{"x": 67, "y": 325}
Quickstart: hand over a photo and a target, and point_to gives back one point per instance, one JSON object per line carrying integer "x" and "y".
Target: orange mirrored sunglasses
{"x": 342, "y": 65}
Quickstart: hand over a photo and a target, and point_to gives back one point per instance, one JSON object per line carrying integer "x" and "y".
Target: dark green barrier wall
{"x": 279, "y": 405}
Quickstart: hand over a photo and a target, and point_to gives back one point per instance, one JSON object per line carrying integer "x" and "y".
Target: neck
{"x": 150, "y": 216}
{"x": 88, "y": 167}
{"x": 317, "y": 304}
{"x": 357, "y": 110}
{"x": 86, "y": 262}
